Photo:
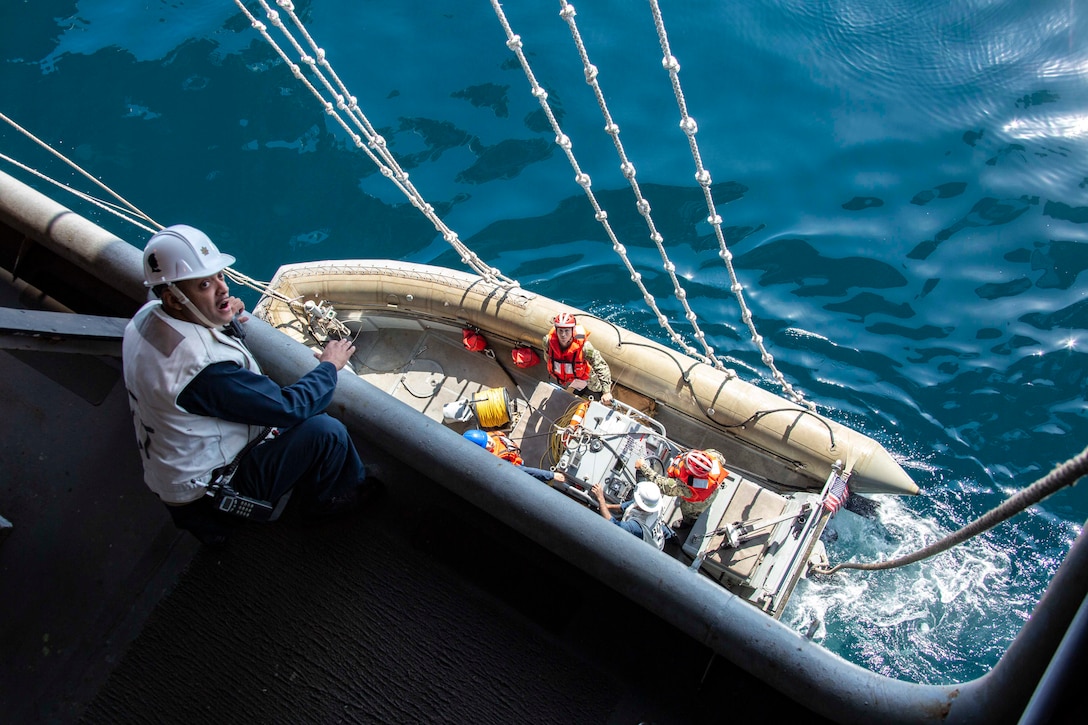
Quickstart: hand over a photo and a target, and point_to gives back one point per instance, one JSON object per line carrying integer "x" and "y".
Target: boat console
{"x": 603, "y": 446}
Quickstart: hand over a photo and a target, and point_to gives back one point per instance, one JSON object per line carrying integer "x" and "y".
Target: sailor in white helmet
{"x": 202, "y": 407}
{"x": 641, "y": 515}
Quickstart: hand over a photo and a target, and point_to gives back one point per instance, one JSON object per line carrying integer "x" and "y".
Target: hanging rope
{"x": 641, "y": 203}
{"x": 690, "y": 129}
{"x": 136, "y": 217}
{"x": 360, "y": 129}
{"x": 513, "y": 42}
{"x": 107, "y": 206}
{"x": 129, "y": 212}
{"x": 1063, "y": 475}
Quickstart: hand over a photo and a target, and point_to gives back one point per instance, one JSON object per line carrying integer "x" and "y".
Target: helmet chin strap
{"x": 188, "y": 304}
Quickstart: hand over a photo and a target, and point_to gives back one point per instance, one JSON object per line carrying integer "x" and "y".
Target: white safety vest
{"x": 162, "y": 355}
{"x": 650, "y": 523}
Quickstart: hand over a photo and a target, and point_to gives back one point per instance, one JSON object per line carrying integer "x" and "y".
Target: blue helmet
{"x": 477, "y": 436}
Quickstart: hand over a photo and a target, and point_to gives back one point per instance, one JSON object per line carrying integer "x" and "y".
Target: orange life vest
{"x": 701, "y": 488}
{"x": 570, "y": 364}
{"x": 504, "y": 447}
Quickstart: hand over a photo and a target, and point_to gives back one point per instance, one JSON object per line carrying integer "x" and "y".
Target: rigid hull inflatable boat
{"x": 440, "y": 340}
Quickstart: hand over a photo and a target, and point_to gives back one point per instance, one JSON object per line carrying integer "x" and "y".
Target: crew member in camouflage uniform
{"x": 693, "y": 477}
{"x": 572, "y": 360}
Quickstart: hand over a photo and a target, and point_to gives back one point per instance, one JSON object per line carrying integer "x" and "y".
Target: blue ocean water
{"x": 903, "y": 184}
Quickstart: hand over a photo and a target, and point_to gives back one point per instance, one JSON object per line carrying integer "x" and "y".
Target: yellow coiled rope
{"x": 492, "y": 407}
{"x": 557, "y": 444}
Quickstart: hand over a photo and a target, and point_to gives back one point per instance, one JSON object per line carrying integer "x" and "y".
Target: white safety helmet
{"x": 648, "y": 496}
{"x": 181, "y": 252}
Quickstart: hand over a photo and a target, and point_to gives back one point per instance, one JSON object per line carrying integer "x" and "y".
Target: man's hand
{"x": 238, "y": 308}
{"x": 338, "y": 352}
{"x": 602, "y": 503}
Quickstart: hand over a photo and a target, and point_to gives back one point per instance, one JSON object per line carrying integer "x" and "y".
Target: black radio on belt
{"x": 231, "y": 502}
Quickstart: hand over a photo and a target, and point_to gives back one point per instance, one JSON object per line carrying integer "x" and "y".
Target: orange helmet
{"x": 564, "y": 319}
{"x": 699, "y": 464}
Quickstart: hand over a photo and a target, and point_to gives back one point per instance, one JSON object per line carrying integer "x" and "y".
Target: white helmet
{"x": 648, "y": 496}
{"x": 181, "y": 252}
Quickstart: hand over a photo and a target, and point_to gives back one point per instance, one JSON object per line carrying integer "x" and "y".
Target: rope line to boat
{"x": 1065, "y": 474}
{"x": 375, "y": 145}
{"x": 702, "y": 176}
{"x": 126, "y": 211}
{"x": 377, "y": 149}
{"x": 107, "y": 206}
{"x": 708, "y": 411}
{"x": 515, "y": 44}
{"x": 628, "y": 169}
{"x": 754, "y": 417}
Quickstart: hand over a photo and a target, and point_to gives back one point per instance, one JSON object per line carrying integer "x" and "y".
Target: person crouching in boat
{"x": 215, "y": 434}
{"x": 572, "y": 360}
{"x": 641, "y": 515}
{"x": 694, "y": 477}
{"x": 504, "y": 447}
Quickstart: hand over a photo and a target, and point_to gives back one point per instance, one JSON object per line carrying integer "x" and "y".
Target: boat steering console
{"x": 601, "y": 445}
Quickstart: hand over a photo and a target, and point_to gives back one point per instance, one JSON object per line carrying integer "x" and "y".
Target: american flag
{"x": 836, "y": 495}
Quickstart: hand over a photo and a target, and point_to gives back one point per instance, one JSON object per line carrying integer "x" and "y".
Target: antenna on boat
{"x": 375, "y": 144}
